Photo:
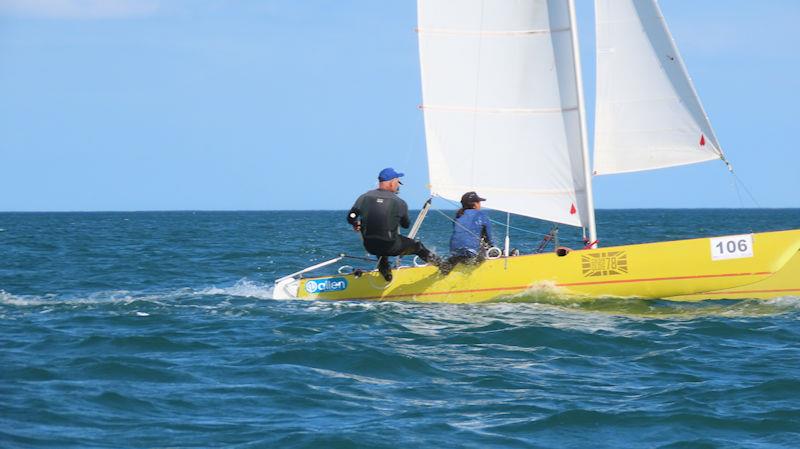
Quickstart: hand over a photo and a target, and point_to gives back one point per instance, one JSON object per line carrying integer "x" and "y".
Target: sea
{"x": 159, "y": 330}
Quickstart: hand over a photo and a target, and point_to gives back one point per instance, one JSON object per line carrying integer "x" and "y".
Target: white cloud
{"x": 79, "y": 9}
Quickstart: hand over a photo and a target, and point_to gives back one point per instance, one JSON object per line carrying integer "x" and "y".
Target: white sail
{"x": 501, "y": 105}
{"x": 648, "y": 114}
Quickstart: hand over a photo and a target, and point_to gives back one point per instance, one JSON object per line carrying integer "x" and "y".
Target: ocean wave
{"x": 24, "y": 300}
{"x": 100, "y": 297}
{"x": 242, "y": 288}
{"x": 543, "y": 303}
{"x": 655, "y": 308}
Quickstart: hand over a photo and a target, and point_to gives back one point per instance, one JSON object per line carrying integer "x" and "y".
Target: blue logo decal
{"x": 326, "y": 285}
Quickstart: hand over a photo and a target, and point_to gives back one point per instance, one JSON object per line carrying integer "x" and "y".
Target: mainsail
{"x": 648, "y": 114}
{"x": 503, "y": 110}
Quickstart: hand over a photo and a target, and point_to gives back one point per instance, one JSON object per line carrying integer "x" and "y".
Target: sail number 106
{"x": 732, "y": 247}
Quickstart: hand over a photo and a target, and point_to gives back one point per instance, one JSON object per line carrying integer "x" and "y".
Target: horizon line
{"x": 64, "y": 211}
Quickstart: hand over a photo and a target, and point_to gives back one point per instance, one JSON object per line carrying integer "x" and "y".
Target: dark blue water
{"x": 158, "y": 330}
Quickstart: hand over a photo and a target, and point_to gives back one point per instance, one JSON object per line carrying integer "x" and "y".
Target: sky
{"x": 286, "y": 104}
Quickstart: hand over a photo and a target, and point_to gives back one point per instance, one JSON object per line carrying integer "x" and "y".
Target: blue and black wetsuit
{"x": 380, "y": 213}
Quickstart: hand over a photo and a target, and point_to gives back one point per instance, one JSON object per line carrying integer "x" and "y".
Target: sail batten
{"x": 499, "y": 110}
{"x": 501, "y": 105}
{"x": 460, "y": 32}
{"x": 648, "y": 114}
{"x": 508, "y": 190}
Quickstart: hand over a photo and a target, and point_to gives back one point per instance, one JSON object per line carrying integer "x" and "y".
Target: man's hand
{"x": 352, "y": 218}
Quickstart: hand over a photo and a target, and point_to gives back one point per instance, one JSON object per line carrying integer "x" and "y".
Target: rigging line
{"x": 453, "y": 203}
{"x": 528, "y": 231}
{"x": 459, "y": 224}
{"x": 552, "y": 236}
{"x": 368, "y": 259}
{"x": 490, "y": 219}
{"x": 737, "y": 179}
{"x": 517, "y": 229}
{"x": 736, "y": 189}
{"x": 753, "y": 198}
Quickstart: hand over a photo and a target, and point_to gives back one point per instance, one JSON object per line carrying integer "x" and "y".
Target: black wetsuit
{"x": 380, "y": 213}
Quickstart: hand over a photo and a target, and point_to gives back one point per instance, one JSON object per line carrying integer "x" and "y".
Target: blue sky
{"x": 287, "y": 104}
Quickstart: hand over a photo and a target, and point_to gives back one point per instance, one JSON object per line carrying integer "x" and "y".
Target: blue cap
{"x": 387, "y": 174}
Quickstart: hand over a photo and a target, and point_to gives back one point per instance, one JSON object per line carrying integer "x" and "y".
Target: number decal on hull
{"x": 732, "y": 247}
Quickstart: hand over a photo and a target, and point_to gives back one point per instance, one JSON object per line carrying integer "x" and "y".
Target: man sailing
{"x": 377, "y": 214}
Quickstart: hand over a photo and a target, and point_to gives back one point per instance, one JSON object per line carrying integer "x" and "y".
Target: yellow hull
{"x": 785, "y": 282}
{"x": 680, "y": 270}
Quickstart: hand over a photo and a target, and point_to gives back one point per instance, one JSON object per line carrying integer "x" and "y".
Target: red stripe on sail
{"x": 702, "y": 140}
{"x": 572, "y": 210}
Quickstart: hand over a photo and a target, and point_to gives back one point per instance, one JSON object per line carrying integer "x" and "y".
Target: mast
{"x": 576, "y": 54}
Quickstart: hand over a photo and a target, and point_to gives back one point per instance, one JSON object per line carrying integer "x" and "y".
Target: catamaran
{"x": 502, "y": 82}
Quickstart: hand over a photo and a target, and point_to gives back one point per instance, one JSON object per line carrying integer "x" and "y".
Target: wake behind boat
{"x": 501, "y": 82}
